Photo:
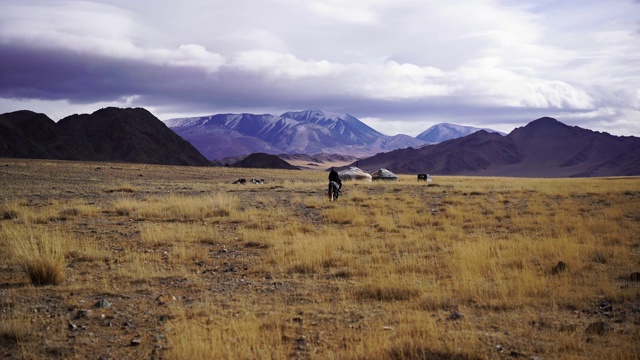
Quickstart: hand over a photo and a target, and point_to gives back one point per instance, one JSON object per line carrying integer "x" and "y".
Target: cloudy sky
{"x": 398, "y": 65}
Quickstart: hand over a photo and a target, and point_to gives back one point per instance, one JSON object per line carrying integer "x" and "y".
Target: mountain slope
{"x": 264, "y": 161}
{"x": 445, "y": 131}
{"x": 543, "y": 148}
{"x": 304, "y": 132}
{"x": 26, "y": 134}
{"x": 131, "y": 135}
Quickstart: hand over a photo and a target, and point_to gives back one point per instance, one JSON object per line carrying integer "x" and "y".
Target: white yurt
{"x": 354, "y": 173}
{"x": 384, "y": 174}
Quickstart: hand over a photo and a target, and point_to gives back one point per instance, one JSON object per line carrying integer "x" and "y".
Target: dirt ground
{"x": 98, "y": 314}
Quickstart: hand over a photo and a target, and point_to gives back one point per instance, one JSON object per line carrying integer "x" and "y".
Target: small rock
{"x": 500, "y": 348}
{"x": 102, "y": 304}
{"x": 82, "y": 313}
{"x": 454, "y": 316}
{"x": 605, "y": 305}
{"x": 302, "y": 342}
{"x": 165, "y": 298}
{"x": 136, "y": 342}
{"x": 71, "y": 326}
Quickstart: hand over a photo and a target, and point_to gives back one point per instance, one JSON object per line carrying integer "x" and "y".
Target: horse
{"x": 334, "y": 191}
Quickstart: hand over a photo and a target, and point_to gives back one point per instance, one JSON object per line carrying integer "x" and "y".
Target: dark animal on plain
{"x": 334, "y": 191}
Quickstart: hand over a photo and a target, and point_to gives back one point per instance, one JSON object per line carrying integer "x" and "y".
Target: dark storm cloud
{"x": 401, "y": 65}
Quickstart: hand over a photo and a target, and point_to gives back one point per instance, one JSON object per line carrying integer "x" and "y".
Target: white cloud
{"x": 344, "y": 11}
{"x": 484, "y": 56}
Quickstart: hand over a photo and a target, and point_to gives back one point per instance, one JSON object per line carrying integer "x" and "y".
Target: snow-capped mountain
{"x": 294, "y": 132}
{"x": 445, "y": 131}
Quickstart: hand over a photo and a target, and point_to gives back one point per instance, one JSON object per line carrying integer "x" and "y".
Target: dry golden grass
{"x": 38, "y": 251}
{"x": 466, "y": 268}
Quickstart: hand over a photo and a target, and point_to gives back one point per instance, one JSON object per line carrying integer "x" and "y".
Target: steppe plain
{"x": 179, "y": 263}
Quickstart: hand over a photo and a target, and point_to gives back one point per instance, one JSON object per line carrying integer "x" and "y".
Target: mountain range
{"x": 109, "y": 134}
{"x": 295, "y": 132}
{"x": 543, "y": 148}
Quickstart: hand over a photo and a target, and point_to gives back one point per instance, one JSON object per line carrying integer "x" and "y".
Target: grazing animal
{"x": 334, "y": 191}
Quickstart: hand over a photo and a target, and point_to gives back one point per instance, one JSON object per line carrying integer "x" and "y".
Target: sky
{"x": 400, "y": 66}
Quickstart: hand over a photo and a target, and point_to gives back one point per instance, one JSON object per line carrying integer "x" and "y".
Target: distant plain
{"x": 176, "y": 262}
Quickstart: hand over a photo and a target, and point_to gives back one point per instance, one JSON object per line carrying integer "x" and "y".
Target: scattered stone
{"x": 560, "y": 267}
{"x": 269, "y": 276}
{"x": 102, "y": 304}
{"x": 301, "y": 342}
{"x": 82, "y": 313}
{"x": 165, "y": 298}
{"x": 605, "y": 305}
{"x": 635, "y": 276}
{"x": 454, "y": 316}
{"x": 598, "y": 328}
{"x": 135, "y": 342}
{"x": 71, "y": 326}
{"x": 500, "y": 348}
{"x": 388, "y": 328}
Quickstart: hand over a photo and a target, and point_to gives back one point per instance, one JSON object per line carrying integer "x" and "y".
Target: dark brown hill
{"x": 110, "y": 134}
{"x": 130, "y": 135}
{"x": 264, "y": 161}
{"x": 26, "y": 134}
{"x": 543, "y": 148}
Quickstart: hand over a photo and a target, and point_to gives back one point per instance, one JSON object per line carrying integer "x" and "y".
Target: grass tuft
{"x": 40, "y": 253}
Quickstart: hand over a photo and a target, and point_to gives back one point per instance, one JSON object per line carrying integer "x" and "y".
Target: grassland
{"x": 125, "y": 261}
